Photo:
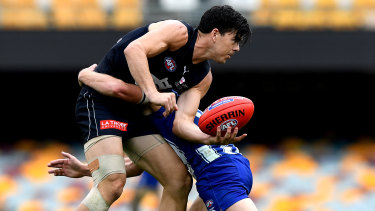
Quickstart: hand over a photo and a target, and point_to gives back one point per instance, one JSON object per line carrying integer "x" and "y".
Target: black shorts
{"x": 99, "y": 115}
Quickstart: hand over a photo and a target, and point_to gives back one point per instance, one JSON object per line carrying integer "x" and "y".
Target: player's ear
{"x": 214, "y": 33}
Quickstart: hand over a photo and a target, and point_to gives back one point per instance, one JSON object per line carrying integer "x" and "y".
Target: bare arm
{"x": 110, "y": 86}
{"x": 70, "y": 166}
{"x": 162, "y": 36}
{"x": 183, "y": 125}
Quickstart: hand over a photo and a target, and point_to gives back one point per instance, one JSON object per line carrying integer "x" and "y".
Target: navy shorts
{"x": 99, "y": 115}
{"x": 225, "y": 181}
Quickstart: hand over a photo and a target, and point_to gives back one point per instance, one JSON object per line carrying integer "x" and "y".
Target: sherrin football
{"x": 233, "y": 111}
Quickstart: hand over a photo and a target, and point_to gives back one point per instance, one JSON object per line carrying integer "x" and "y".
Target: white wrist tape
{"x": 144, "y": 99}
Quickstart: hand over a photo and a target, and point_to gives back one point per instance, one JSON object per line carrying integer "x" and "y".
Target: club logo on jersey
{"x": 112, "y": 124}
{"x": 229, "y": 123}
{"x": 180, "y": 85}
{"x": 185, "y": 70}
{"x": 182, "y": 80}
{"x": 209, "y": 203}
{"x": 170, "y": 64}
{"x": 214, "y": 105}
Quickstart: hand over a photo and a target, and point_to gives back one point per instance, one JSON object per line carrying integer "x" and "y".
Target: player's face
{"x": 226, "y": 46}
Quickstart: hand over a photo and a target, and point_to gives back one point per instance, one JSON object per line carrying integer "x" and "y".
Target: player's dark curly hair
{"x": 225, "y": 19}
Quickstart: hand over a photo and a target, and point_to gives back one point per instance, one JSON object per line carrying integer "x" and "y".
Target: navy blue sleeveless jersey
{"x": 98, "y": 115}
{"x": 171, "y": 70}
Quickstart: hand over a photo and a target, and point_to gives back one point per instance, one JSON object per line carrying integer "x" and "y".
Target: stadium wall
{"x": 268, "y": 49}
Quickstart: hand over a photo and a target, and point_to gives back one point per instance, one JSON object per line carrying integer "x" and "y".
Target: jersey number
{"x": 161, "y": 84}
{"x": 210, "y": 154}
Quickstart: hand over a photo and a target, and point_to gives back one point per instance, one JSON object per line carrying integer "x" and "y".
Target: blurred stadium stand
{"x": 294, "y": 175}
{"x": 291, "y": 34}
{"x": 309, "y": 68}
{"x": 280, "y": 14}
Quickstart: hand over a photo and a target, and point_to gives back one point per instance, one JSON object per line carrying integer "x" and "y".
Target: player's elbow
{"x": 82, "y": 75}
{"x": 131, "y": 48}
{"x": 118, "y": 89}
{"x": 177, "y": 126}
{"x": 128, "y": 50}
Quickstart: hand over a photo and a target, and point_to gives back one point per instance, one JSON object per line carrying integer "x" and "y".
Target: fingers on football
{"x": 240, "y": 138}
{"x": 218, "y": 132}
{"x": 228, "y": 133}
{"x": 228, "y": 136}
{"x": 234, "y": 133}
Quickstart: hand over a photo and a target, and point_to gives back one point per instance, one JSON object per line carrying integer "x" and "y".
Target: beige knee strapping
{"x": 94, "y": 201}
{"x": 136, "y": 147}
{"x": 105, "y": 165}
{"x": 95, "y": 140}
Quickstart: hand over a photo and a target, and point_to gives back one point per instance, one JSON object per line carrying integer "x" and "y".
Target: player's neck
{"x": 201, "y": 48}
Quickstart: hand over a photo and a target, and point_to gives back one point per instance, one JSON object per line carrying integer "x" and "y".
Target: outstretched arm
{"x": 70, "y": 166}
{"x": 184, "y": 126}
{"x": 110, "y": 86}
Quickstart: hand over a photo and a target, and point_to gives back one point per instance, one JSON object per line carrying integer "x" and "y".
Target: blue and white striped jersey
{"x": 195, "y": 156}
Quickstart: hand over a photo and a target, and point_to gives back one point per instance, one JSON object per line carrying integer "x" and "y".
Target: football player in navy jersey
{"x": 164, "y": 59}
{"x": 223, "y": 175}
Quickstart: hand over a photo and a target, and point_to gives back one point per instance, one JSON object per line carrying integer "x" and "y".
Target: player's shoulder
{"x": 175, "y": 22}
{"x": 175, "y": 32}
{"x": 172, "y": 26}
